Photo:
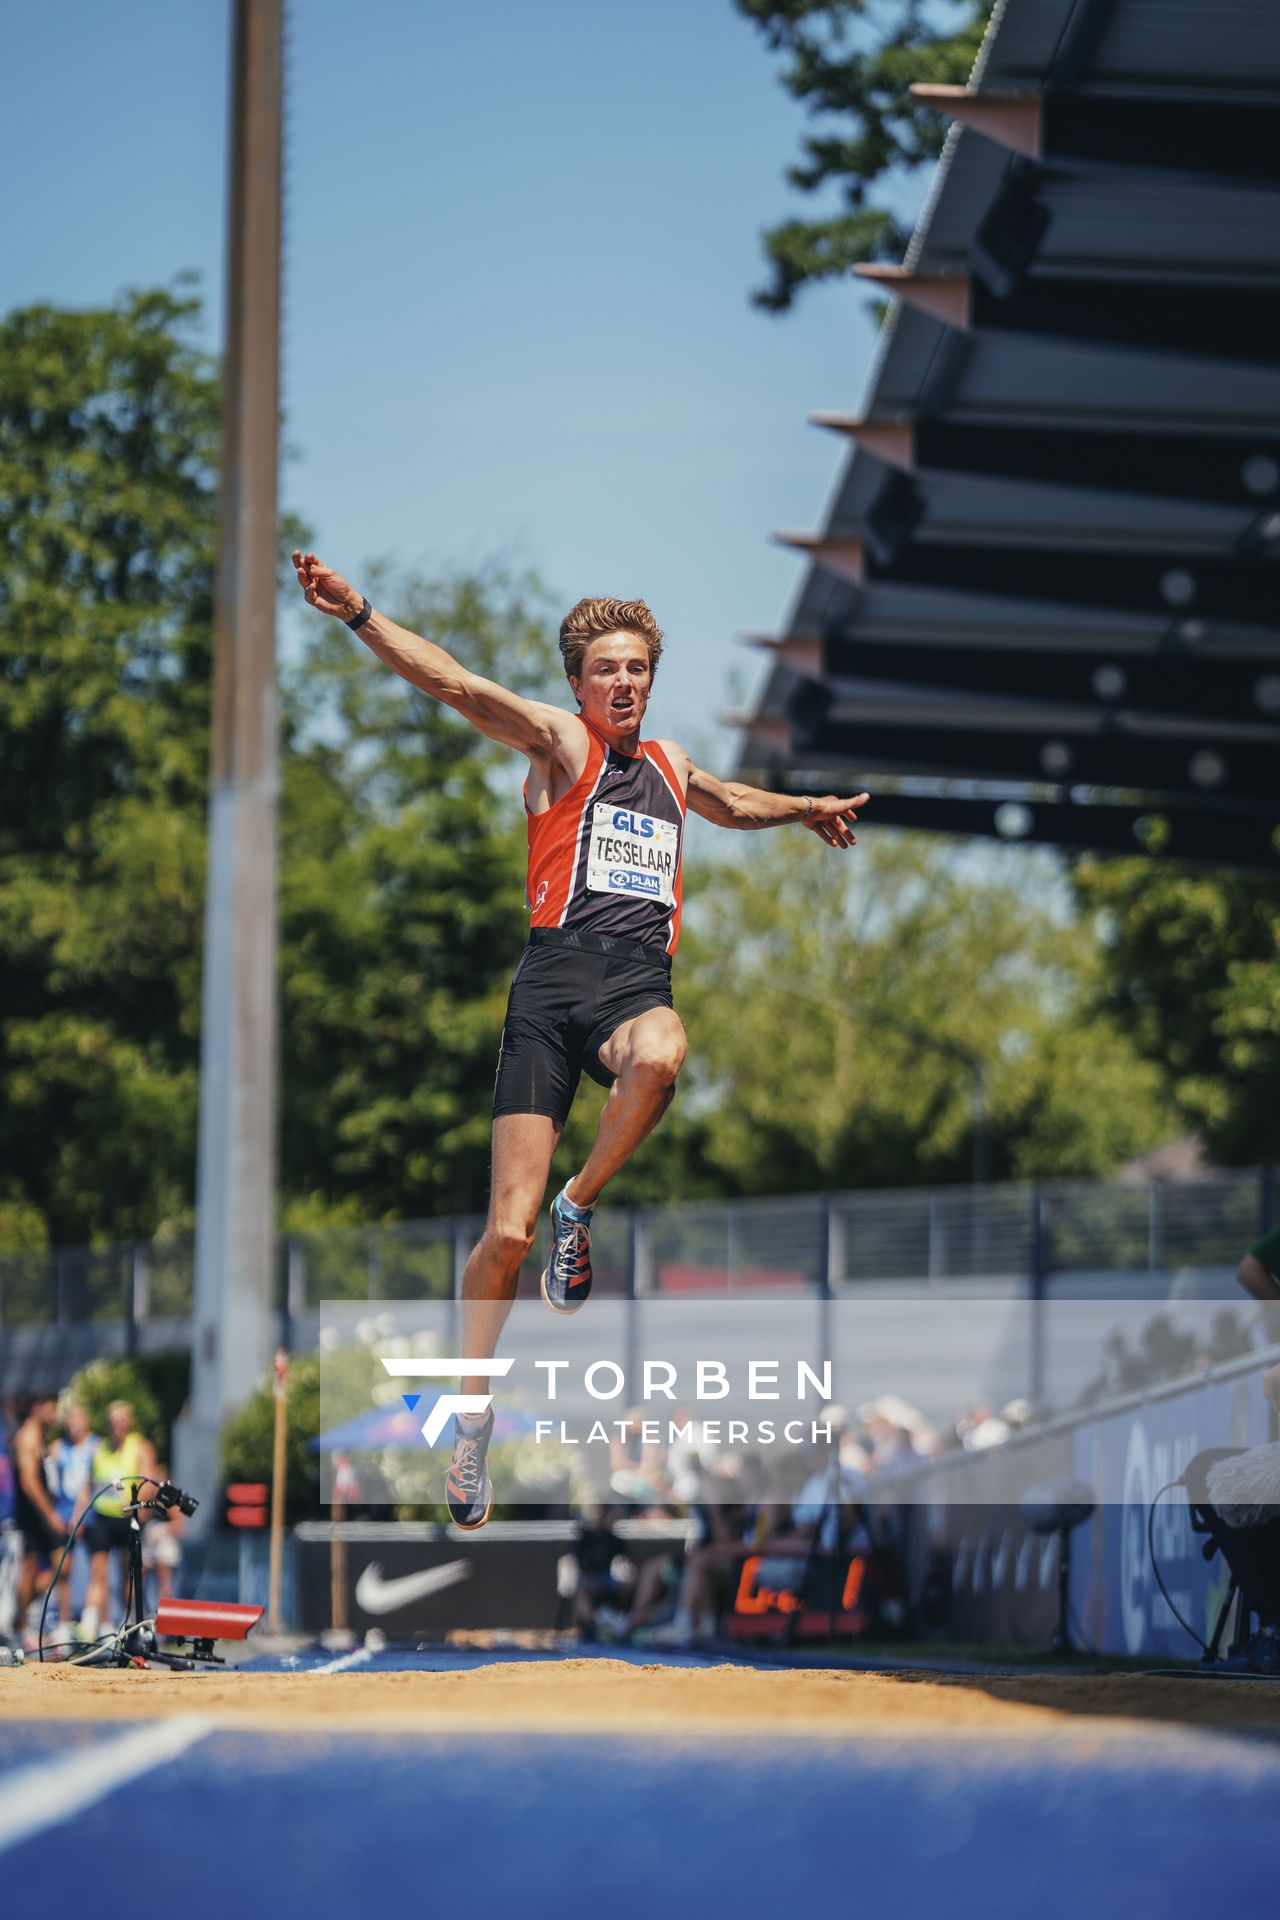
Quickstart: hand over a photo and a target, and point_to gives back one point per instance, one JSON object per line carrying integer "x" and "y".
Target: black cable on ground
{"x": 1155, "y": 1565}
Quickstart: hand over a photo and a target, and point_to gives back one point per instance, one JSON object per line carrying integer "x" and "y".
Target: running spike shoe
{"x": 567, "y": 1280}
{"x": 468, "y": 1489}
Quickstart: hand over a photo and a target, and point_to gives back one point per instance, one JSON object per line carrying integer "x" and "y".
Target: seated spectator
{"x": 1166, "y": 1351}
{"x": 827, "y": 1506}
{"x": 606, "y": 1578}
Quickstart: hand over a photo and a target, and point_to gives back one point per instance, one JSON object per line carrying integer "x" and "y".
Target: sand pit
{"x": 615, "y": 1697}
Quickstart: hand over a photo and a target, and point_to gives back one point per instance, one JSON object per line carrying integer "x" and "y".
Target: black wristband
{"x": 365, "y": 610}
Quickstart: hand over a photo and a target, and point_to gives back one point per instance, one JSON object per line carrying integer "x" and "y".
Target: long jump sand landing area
{"x": 621, "y": 1787}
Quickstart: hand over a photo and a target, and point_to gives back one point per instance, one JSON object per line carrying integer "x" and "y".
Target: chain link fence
{"x": 1037, "y": 1240}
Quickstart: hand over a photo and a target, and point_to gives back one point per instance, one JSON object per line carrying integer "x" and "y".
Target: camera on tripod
{"x": 168, "y": 1496}
{"x": 198, "y": 1622}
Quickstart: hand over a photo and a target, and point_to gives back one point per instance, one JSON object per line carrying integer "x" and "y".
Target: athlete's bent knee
{"x": 659, "y": 1056}
{"x": 510, "y": 1240}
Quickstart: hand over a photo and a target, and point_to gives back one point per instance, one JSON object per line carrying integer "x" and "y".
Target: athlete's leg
{"x": 523, "y": 1144}
{"x": 646, "y": 1053}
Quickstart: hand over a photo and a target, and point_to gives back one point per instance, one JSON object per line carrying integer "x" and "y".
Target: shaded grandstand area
{"x": 1043, "y": 606}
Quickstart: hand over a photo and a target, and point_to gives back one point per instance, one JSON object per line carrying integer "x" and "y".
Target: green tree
{"x": 154, "y": 1384}
{"x": 855, "y": 60}
{"x": 108, "y": 442}
{"x": 402, "y": 858}
{"x": 840, "y": 1013}
{"x": 249, "y": 1437}
{"x": 1191, "y": 974}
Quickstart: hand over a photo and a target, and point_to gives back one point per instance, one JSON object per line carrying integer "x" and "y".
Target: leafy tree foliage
{"x": 154, "y": 1384}
{"x": 108, "y": 438}
{"x": 1191, "y": 973}
{"x": 843, "y": 1012}
{"x": 248, "y": 1440}
{"x": 402, "y": 856}
{"x": 855, "y": 60}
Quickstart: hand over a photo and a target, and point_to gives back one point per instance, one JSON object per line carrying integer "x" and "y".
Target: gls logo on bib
{"x": 632, "y": 853}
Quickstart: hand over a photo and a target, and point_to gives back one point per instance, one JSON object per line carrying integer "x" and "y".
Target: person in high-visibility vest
{"x": 125, "y": 1454}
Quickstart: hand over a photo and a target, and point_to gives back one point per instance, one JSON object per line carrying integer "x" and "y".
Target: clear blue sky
{"x": 519, "y": 245}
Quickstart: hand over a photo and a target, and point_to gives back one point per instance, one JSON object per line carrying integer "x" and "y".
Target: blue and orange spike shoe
{"x": 567, "y": 1280}
{"x": 468, "y": 1490}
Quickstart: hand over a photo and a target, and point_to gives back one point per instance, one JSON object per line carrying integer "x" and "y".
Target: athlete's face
{"x": 613, "y": 688}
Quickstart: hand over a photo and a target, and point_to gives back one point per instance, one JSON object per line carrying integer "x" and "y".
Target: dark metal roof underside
{"x": 1045, "y": 602}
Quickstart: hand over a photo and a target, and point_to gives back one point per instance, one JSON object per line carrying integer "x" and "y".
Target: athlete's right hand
{"x": 325, "y": 589}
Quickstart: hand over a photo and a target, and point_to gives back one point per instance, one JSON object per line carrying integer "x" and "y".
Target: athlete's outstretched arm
{"x": 731, "y": 804}
{"x": 530, "y": 726}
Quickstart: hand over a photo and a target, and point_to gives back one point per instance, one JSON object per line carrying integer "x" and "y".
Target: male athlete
{"x": 593, "y": 989}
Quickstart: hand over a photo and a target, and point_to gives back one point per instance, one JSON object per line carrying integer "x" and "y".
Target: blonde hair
{"x": 591, "y": 618}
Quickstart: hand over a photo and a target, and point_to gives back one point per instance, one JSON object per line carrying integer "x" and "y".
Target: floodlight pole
{"x": 235, "y": 1198}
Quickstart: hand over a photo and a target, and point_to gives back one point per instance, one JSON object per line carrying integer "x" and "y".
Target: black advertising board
{"x": 421, "y": 1582}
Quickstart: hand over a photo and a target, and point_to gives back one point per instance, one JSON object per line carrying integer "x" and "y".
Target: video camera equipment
{"x": 1058, "y": 1506}
{"x": 134, "y": 1642}
{"x": 1233, "y": 1496}
{"x": 167, "y": 1496}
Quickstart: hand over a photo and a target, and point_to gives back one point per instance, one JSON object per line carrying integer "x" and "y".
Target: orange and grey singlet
{"x": 605, "y": 858}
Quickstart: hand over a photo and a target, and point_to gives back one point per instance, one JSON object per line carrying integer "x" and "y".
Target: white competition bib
{"x": 632, "y": 853}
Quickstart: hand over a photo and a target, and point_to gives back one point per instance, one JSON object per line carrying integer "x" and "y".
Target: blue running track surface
{"x": 1100, "y": 1823}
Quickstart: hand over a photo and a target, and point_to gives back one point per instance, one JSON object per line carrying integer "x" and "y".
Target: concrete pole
{"x": 235, "y": 1198}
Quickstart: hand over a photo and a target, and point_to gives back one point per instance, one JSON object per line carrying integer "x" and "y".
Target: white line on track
{"x": 37, "y": 1798}
{"x": 355, "y": 1659}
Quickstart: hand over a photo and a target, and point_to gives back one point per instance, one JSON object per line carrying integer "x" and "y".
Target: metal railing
{"x": 1019, "y": 1237}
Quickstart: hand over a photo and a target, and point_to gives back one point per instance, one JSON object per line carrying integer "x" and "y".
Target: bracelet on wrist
{"x": 358, "y": 620}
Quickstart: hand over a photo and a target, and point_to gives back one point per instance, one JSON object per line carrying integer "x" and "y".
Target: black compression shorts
{"x": 105, "y": 1532}
{"x": 571, "y": 990}
{"x": 38, "y": 1536}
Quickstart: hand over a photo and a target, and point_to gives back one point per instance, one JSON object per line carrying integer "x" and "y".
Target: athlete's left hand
{"x": 833, "y": 820}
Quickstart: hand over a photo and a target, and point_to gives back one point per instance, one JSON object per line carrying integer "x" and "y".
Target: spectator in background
{"x": 10, "y": 1538}
{"x": 1122, "y": 1371}
{"x": 43, "y": 1530}
{"x": 1228, "y": 1340}
{"x": 1259, "y": 1275}
{"x": 162, "y": 1545}
{"x": 1259, "y": 1271}
{"x": 1166, "y": 1351}
{"x": 726, "y": 1535}
{"x": 832, "y": 1498}
{"x": 605, "y": 1577}
{"x": 70, "y": 1468}
{"x": 124, "y": 1456}
{"x": 729, "y": 1535}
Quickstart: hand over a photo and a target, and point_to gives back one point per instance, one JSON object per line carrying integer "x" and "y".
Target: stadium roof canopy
{"x": 1046, "y": 603}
